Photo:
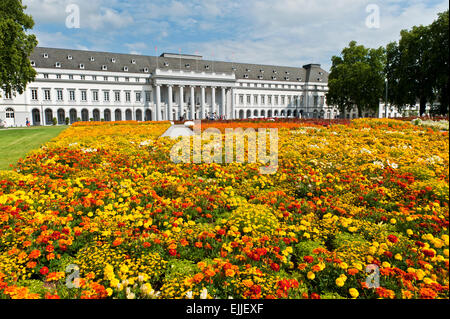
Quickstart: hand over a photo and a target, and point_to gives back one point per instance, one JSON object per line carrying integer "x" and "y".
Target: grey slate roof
{"x": 308, "y": 73}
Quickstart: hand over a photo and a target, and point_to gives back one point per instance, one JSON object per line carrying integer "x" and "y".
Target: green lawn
{"x": 16, "y": 143}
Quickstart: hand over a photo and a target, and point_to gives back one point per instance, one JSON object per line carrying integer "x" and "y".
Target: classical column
{"x": 202, "y": 107}
{"x": 223, "y": 110}
{"x": 170, "y": 103}
{"x": 192, "y": 103}
{"x": 213, "y": 100}
{"x": 181, "y": 106}
{"x": 158, "y": 103}
{"x": 232, "y": 105}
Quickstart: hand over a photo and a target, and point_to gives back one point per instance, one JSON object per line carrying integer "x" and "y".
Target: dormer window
{"x": 45, "y": 55}
{"x": 133, "y": 61}
{"x": 274, "y": 77}
{"x": 248, "y": 70}
{"x": 92, "y": 59}
{"x": 260, "y": 77}
{"x": 299, "y": 79}
{"x": 166, "y": 64}
{"x": 113, "y": 60}
{"x": 146, "y": 70}
{"x": 104, "y": 68}
{"x": 33, "y": 63}
{"x": 234, "y": 68}
{"x": 69, "y": 57}
{"x": 275, "y": 71}
{"x": 287, "y": 72}
{"x": 207, "y": 67}
{"x": 245, "y": 76}
{"x": 286, "y": 78}
{"x": 319, "y": 79}
{"x": 125, "y": 68}
{"x": 187, "y": 65}
{"x": 262, "y": 71}
{"x": 58, "y": 64}
{"x": 320, "y": 73}
{"x": 82, "y": 66}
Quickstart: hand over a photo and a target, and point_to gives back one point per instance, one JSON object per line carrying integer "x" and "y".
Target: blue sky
{"x": 282, "y": 32}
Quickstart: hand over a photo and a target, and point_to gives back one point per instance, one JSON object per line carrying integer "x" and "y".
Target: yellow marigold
{"x": 354, "y": 293}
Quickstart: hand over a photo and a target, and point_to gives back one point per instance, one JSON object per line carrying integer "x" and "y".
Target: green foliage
{"x": 357, "y": 78}
{"x": 180, "y": 269}
{"x": 15, "y": 47}
{"x": 417, "y": 66}
{"x": 306, "y": 248}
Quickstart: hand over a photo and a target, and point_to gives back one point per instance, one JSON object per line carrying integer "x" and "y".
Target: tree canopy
{"x": 357, "y": 78}
{"x": 16, "y": 45}
{"x": 417, "y": 66}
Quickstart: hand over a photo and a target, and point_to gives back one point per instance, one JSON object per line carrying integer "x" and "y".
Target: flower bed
{"x": 105, "y": 200}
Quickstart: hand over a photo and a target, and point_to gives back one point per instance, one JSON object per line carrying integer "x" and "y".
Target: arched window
{"x": 9, "y": 113}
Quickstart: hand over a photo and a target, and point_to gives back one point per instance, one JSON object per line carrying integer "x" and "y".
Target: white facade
{"x": 70, "y": 95}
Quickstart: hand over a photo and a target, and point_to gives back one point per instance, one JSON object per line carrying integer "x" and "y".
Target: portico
{"x": 193, "y": 95}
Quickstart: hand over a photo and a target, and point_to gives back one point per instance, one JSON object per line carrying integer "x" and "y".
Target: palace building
{"x": 73, "y": 85}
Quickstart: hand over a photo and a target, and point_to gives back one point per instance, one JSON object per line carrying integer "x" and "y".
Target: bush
{"x": 67, "y": 121}
{"x": 55, "y": 121}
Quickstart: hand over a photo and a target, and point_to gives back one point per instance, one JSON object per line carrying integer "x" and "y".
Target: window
{"x": 70, "y": 77}
{"x": 241, "y": 99}
{"x": 94, "y": 78}
{"x": 47, "y": 96}
{"x": 82, "y": 66}
{"x": 274, "y": 77}
{"x": 116, "y": 78}
{"x": 105, "y": 78}
{"x": 255, "y": 100}
{"x": 45, "y": 55}
{"x": 127, "y": 79}
{"x": 125, "y": 68}
{"x": 316, "y": 101}
{"x": 106, "y": 96}
{"x": 128, "y": 96}
{"x": 82, "y": 77}
{"x": 113, "y": 60}
{"x": 34, "y": 94}
{"x": 45, "y": 76}
{"x": 59, "y": 94}
{"x": 138, "y": 97}
{"x": 58, "y": 76}
{"x": 33, "y": 63}
{"x": 58, "y": 64}
{"x": 69, "y": 57}
{"x": 276, "y": 100}
{"x": 83, "y": 96}
{"x": 104, "y": 68}
{"x": 148, "y": 96}
{"x": 9, "y": 113}
{"x": 269, "y": 100}
{"x": 245, "y": 76}
{"x": 71, "y": 95}
{"x": 166, "y": 64}
{"x": 133, "y": 61}
{"x": 92, "y": 59}
{"x": 260, "y": 77}
{"x": 138, "y": 80}
{"x": 263, "y": 100}
{"x": 146, "y": 70}
{"x": 8, "y": 95}
{"x": 117, "y": 96}
{"x": 249, "y": 99}
{"x": 283, "y": 100}
{"x": 207, "y": 67}
{"x": 187, "y": 65}
{"x": 95, "y": 96}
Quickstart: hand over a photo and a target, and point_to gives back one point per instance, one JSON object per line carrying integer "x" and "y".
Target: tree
{"x": 439, "y": 31}
{"x": 15, "y": 47}
{"x": 417, "y": 66}
{"x": 357, "y": 78}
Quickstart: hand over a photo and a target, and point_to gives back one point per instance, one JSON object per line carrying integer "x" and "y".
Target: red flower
{"x": 308, "y": 259}
{"x": 393, "y": 239}
{"x": 275, "y": 267}
{"x": 44, "y": 271}
{"x": 172, "y": 252}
